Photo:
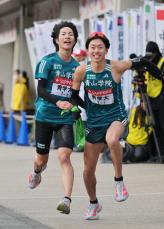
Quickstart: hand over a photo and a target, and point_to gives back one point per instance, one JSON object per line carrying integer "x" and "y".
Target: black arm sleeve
{"x": 41, "y": 89}
{"x": 138, "y": 63}
{"x": 76, "y": 99}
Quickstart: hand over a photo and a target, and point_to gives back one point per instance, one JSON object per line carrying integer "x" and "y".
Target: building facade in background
{"x": 25, "y": 26}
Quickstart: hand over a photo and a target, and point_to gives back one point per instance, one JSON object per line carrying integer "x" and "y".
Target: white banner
{"x": 97, "y": 24}
{"x": 148, "y": 23}
{"x": 44, "y": 44}
{"x": 81, "y": 35}
{"x": 139, "y": 33}
{"x": 31, "y": 39}
{"x": 115, "y": 40}
{"x": 109, "y": 32}
{"x": 159, "y": 14}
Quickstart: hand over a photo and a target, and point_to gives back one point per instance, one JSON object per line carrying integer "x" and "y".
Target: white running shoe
{"x": 120, "y": 193}
{"x": 92, "y": 211}
{"x": 64, "y": 206}
{"x": 34, "y": 180}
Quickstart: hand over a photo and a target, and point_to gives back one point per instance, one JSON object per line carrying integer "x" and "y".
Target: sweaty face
{"x": 66, "y": 39}
{"x": 97, "y": 50}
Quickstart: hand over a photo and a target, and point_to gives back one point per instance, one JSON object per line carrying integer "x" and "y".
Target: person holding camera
{"x": 155, "y": 91}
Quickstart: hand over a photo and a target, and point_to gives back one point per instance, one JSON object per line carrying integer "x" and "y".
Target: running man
{"x": 106, "y": 115}
{"x": 54, "y": 74}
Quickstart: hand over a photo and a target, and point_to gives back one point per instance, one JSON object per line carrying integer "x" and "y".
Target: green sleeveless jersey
{"x": 103, "y": 97}
{"x": 58, "y": 74}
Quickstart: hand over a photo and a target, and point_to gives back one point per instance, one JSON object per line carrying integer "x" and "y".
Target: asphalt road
{"x": 21, "y": 208}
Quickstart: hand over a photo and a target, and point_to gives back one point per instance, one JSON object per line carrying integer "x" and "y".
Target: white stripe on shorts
{"x": 125, "y": 122}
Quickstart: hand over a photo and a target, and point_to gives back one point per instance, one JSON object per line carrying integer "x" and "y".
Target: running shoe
{"x": 120, "y": 193}
{"x": 34, "y": 180}
{"x": 64, "y": 206}
{"x": 92, "y": 211}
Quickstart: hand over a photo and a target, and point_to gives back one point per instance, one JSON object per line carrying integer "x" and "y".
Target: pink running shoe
{"x": 92, "y": 211}
{"x": 34, "y": 180}
{"x": 120, "y": 193}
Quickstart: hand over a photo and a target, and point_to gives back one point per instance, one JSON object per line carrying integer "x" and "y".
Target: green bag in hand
{"x": 79, "y": 134}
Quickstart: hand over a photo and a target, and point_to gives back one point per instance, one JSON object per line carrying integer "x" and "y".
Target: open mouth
{"x": 67, "y": 42}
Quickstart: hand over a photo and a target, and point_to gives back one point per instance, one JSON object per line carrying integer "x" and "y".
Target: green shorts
{"x": 98, "y": 134}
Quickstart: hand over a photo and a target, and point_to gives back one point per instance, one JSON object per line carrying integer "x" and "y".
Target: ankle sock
{"x": 37, "y": 172}
{"x": 118, "y": 178}
{"x": 68, "y": 198}
{"x": 94, "y": 201}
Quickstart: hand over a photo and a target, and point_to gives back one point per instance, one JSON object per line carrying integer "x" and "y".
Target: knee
{"x": 64, "y": 159}
{"x": 88, "y": 170}
{"x": 113, "y": 142}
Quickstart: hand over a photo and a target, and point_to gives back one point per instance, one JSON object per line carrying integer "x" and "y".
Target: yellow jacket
{"x": 137, "y": 135}
{"x": 20, "y": 97}
{"x": 154, "y": 86}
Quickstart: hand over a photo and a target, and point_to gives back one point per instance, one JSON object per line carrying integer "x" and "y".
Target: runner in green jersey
{"x": 54, "y": 74}
{"x": 106, "y": 115}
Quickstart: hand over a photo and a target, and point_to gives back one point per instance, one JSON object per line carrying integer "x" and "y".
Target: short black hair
{"x": 58, "y": 27}
{"x": 152, "y": 47}
{"x": 98, "y": 35}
